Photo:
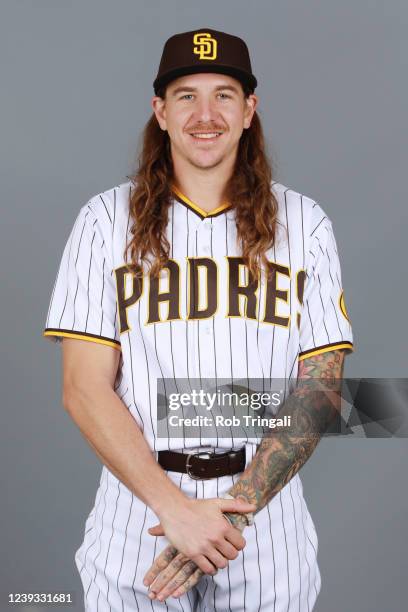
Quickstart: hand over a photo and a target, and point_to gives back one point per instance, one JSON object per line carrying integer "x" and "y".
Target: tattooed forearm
{"x": 312, "y": 407}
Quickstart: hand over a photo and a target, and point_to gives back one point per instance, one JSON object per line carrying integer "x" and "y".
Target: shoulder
{"x": 299, "y": 209}
{"x": 106, "y": 205}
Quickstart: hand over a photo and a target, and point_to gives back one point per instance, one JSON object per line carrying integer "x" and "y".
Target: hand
{"x": 199, "y": 531}
{"x": 173, "y": 574}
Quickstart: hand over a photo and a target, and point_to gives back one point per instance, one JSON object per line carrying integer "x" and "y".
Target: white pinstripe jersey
{"x": 168, "y": 330}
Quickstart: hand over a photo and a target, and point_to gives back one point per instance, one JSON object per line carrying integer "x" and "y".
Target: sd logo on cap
{"x": 205, "y": 46}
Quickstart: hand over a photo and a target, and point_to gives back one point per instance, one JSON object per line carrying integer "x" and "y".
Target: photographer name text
{"x": 222, "y": 421}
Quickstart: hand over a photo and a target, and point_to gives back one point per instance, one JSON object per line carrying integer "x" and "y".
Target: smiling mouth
{"x": 205, "y": 135}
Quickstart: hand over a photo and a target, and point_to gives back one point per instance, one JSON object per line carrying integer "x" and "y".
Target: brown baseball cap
{"x": 204, "y": 50}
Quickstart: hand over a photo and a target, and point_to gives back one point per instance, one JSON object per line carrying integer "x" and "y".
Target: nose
{"x": 204, "y": 110}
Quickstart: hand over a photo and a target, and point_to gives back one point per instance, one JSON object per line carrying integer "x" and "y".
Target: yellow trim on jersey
{"x": 195, "y": 207}
{"x": 82, "y": 337}
{"x": 342, "y": 306}
{"x": 326, "y": 349}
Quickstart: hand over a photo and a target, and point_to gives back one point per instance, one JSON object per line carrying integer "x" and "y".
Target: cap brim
{"x": 245, "y": 78}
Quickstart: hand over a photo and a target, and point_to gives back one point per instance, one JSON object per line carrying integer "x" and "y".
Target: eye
{"x": 223, "y": 95}
{"x": 187, "y": 97}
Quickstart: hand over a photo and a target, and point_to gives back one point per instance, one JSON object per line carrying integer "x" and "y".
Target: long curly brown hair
{"x": 249, "y": 191}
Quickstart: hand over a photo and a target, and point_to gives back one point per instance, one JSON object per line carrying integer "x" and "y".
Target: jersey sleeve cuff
{"x": 55, "y": 334}
{"x": 325, "y": 348}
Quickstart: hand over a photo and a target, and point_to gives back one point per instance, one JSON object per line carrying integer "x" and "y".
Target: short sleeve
{"x": 83, "y": 300}
{"x": 324, "y": 322}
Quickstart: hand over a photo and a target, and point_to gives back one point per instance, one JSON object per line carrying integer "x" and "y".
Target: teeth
{"x": 207, "y": 135}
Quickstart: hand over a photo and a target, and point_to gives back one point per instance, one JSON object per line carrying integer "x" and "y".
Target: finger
{"x": 217, "y": 558}
{"x": 189, "y": 583}
{"x": 157, "y": 530}
{"x": 235, "y": 537}
{"x": 235, "y": 505}
{"x": 228, "y": 550}
{"x": 205, "y": 565}
{"x": 160, "y": 564}
{"x": 168, "y": 573}
{"x": 178, "y": 580}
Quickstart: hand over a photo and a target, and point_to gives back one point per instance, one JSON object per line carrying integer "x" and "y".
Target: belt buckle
{"x": 188, "y": 464}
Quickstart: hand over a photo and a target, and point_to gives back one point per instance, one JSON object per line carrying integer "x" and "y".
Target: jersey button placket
{"x": 206, "y": 236}
{"x": 193, "y": 251}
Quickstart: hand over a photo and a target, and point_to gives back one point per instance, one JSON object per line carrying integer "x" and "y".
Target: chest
{"x": 206, "y": 277}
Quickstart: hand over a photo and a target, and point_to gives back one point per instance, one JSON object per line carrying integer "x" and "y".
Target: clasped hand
{"x": 201, "y": 542}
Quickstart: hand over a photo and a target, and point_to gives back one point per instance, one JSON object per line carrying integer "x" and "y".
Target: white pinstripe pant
{"x": 276, "y": 572}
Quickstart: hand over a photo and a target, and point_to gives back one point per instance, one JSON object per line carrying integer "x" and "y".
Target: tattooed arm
{"x": 312, "y": 407}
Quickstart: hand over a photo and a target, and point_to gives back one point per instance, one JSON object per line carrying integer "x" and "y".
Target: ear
{"x": 159, "y": 109}
{"x": 251, "y": 102}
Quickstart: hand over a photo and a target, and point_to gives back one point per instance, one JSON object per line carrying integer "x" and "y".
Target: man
{"x": 200, "y": 267}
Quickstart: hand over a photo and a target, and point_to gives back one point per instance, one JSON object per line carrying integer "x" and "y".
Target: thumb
{"x": 156, "y": 530}
{"x": 235, "y": 505}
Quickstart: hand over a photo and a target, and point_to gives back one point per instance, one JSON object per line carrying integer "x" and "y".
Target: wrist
{"x": 239, "y": 520}
{"x": 173, "y": 504}
{"x": 236, "y": 520}
{"x": 169, "y": 502}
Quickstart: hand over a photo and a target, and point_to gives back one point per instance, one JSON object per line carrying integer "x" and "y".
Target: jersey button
{"x": 207, "y": 249}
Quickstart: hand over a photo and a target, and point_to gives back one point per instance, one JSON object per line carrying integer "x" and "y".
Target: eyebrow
{"x": 194, "y": 89}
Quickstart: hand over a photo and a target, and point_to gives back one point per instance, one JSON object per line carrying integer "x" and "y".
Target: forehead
{"x": 204, "y": 81}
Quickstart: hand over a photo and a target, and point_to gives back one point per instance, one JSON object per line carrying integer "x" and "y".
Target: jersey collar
{"x": 203, "y": 214}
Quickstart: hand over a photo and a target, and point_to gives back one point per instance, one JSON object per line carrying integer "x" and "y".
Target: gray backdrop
{"x": 75, "y": 93}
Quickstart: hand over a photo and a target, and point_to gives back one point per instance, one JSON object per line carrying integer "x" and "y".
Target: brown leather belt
{"x": 203, "y": 465}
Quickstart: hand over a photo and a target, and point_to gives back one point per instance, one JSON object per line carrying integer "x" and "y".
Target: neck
{"x": 205, "y": 187}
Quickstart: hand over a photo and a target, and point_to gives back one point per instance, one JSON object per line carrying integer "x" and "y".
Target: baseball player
{"x": 199, "y": 267}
